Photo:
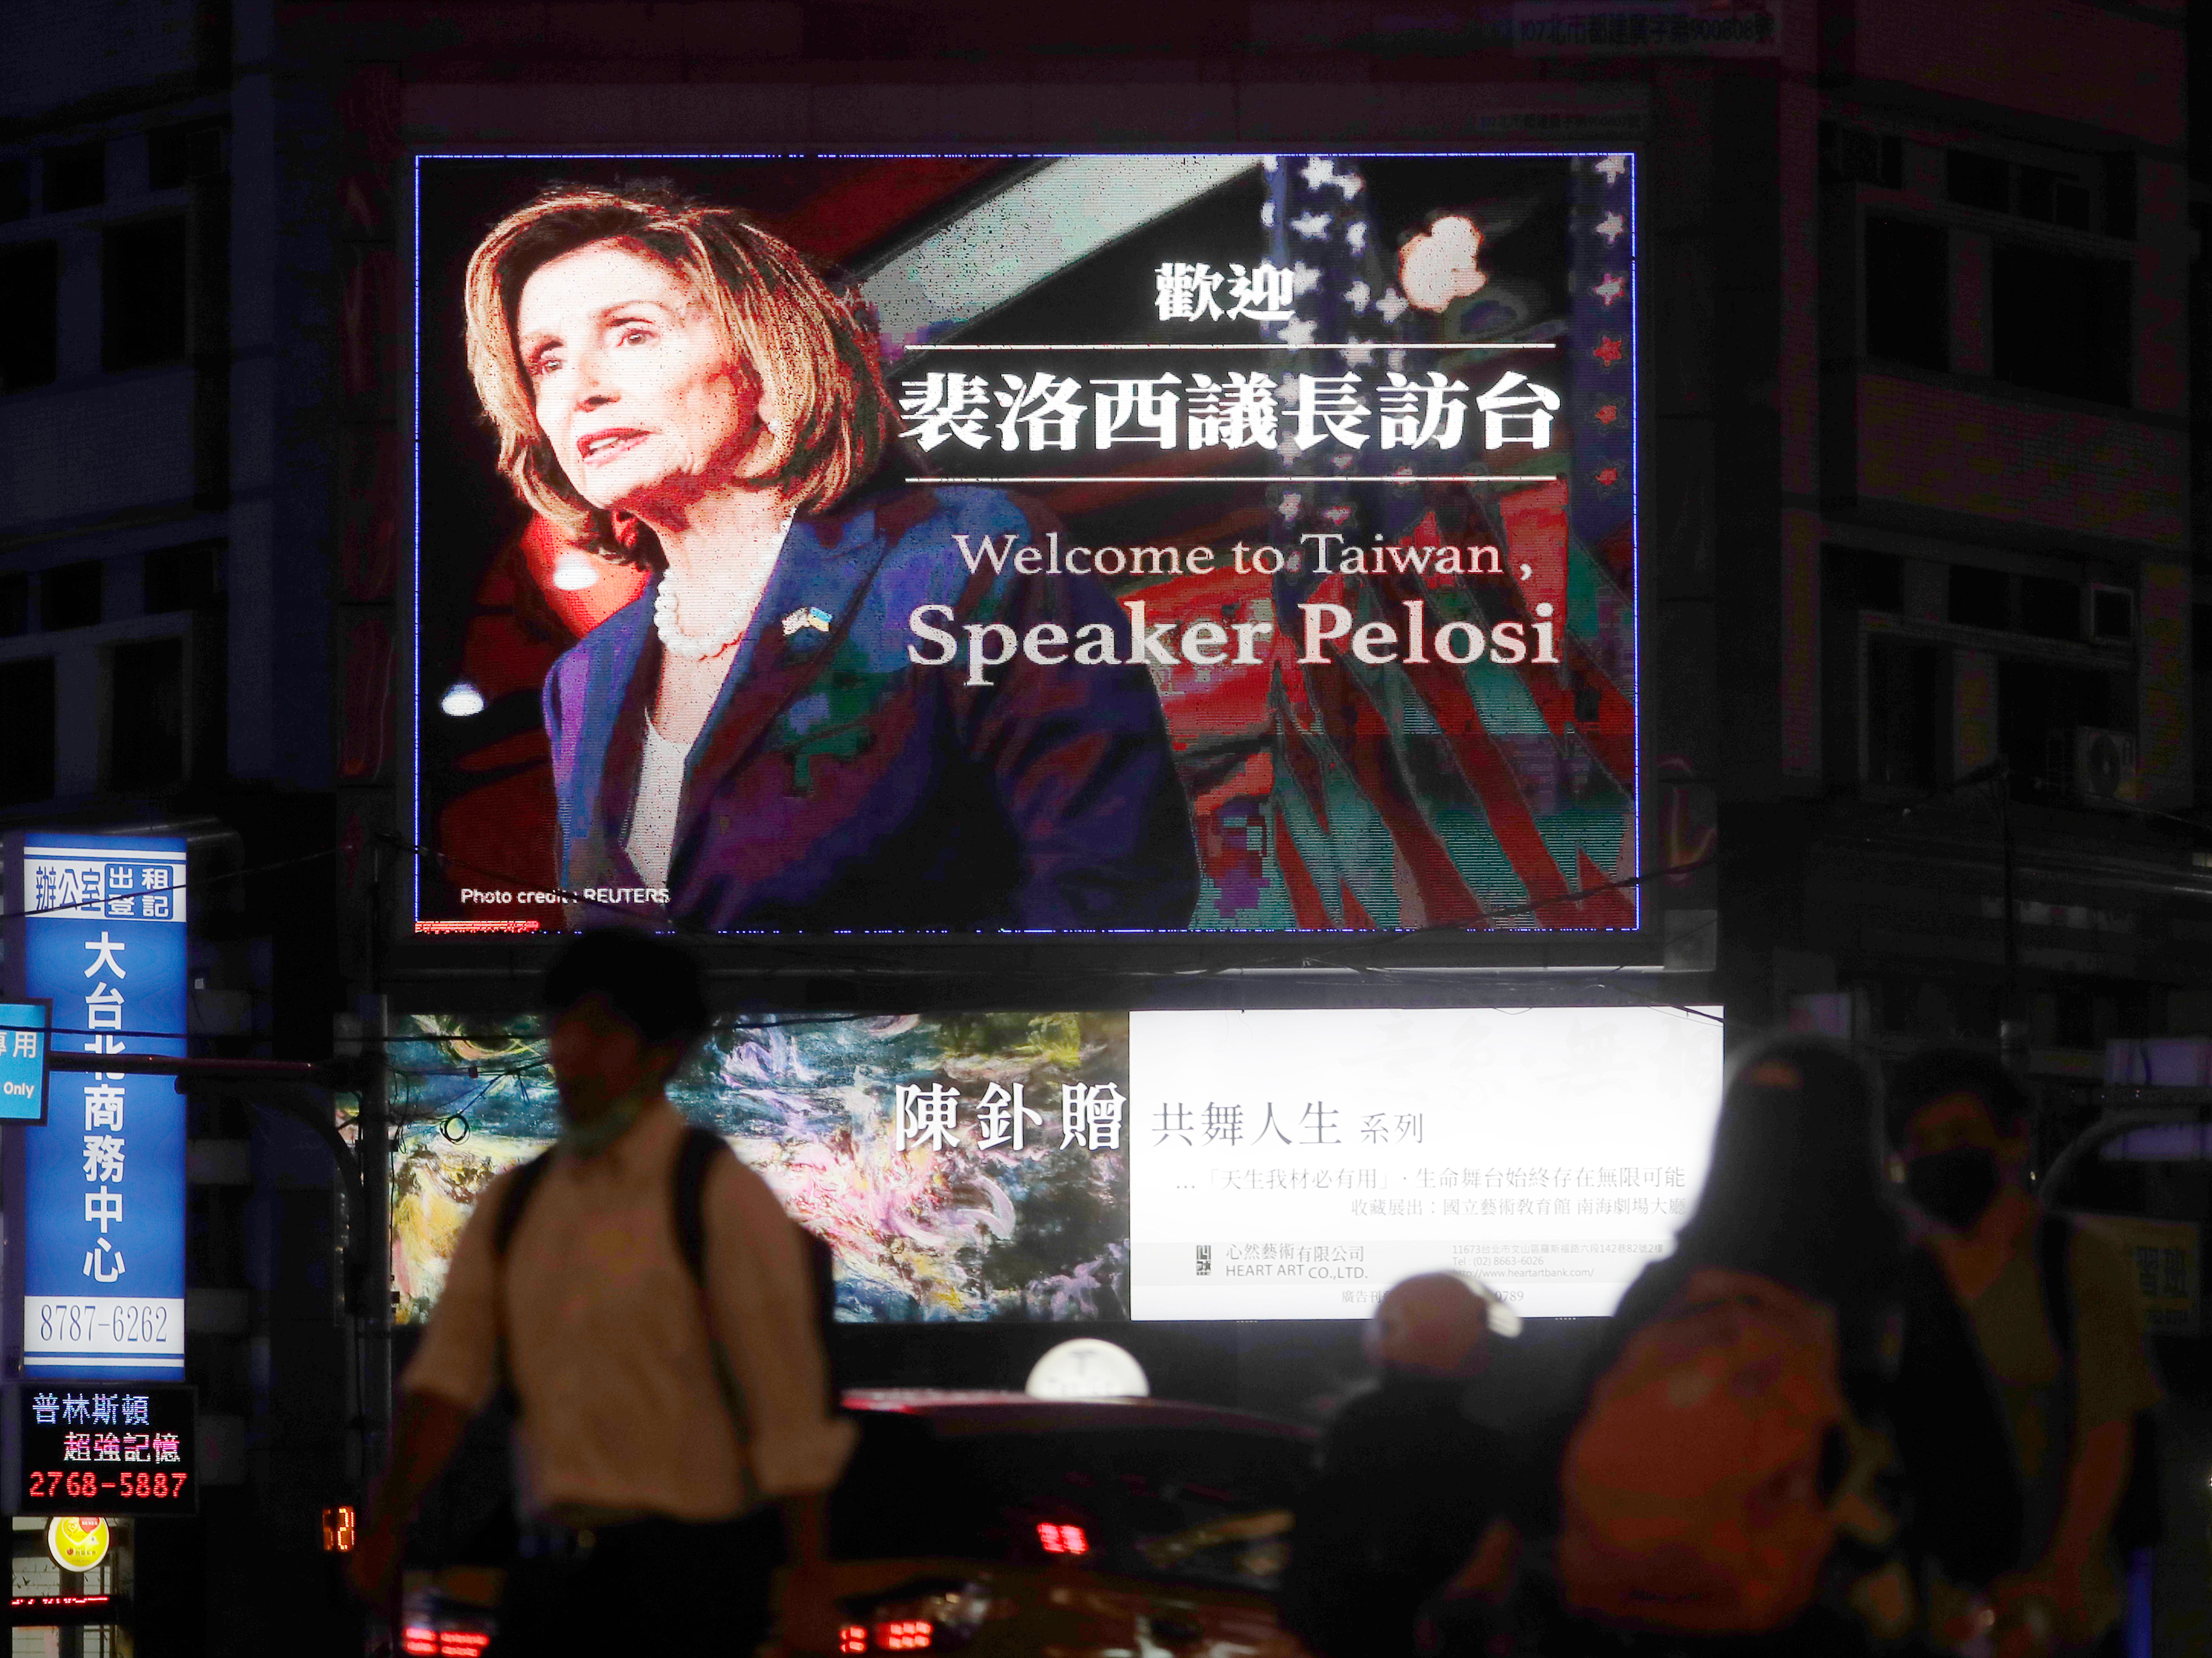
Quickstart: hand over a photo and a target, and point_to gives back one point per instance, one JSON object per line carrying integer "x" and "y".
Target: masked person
{"x": 2051, "y": 1309}
{"x": 668, "y": 1378}
{"x": 1408, "y": 1479}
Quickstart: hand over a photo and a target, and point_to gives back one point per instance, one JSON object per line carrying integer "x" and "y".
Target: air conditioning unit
{"x": 2104, "y": 764}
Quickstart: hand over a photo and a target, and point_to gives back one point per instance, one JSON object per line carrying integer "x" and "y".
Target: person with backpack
{"x": 649, "y": 1307}
{"x": 1724, "y": 1487}
{"x": 2053, "y": 1311}
{"x": 1407, "y": 1478}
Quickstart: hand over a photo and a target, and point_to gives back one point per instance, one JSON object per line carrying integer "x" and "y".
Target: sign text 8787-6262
{"x": 101, "y": 1324}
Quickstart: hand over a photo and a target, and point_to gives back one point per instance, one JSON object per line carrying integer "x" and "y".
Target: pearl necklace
{"x": 667, "y": 607}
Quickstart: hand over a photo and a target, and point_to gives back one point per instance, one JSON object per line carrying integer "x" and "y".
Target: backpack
{"x": 1693, "y": 1493}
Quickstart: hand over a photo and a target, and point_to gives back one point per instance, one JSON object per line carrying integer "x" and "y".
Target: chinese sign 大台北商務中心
{"x": 98, "y": 930}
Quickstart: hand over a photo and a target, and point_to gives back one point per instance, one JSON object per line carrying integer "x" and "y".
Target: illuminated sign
{"x": 77, "y": 1544}
{"x": 1094, "y": 1168}
{"x": 100, "y": 932}
{"x": 1253, "y": 549}
{"x": 1296, "y": 1165}
{"x": 23, "y": 1035}
{"x": 111, "y": 1449}
{"x": 338, "y": 1529}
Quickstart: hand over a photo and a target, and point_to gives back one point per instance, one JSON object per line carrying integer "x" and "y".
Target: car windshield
{"x": 1200, "y": 1504}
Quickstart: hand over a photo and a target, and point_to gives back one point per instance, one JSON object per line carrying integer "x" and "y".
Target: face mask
{"x": 585, "y": 1140}
{"x": 1956, "y": 1186}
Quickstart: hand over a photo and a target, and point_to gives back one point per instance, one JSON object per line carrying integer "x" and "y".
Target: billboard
{"x": 958, "y": 543}
{"x": 1100, "y": 1167}
{"x": 97, "y": 929}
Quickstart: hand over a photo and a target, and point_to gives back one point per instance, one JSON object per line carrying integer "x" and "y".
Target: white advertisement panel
{"x": 1296, "y": 1164}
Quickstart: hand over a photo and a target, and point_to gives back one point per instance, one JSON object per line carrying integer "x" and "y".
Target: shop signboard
{"x": 97, "y": 929}
{"x": 1253, "y": 548}
{"x": 106, "y": 1447}
{"x": 1098, "y": 1168}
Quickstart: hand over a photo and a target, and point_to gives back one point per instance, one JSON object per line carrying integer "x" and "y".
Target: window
{"x": 76, "y": 176}
{"x": 14, "y": 190}
{"x": 1854, "y": 156}
{"x": 1979, "y": 597}
{"x": 2049, "y": 609}
{"x": 144, "y": 313}
{"x": 1908, "y": 699}
{"x": 1982, "y": 181}
{"x": 175, "y": 156}
{"x": 15, "y": 605}
{"x": 27, "y": 735}
{"x": 2112, "y": 614}
{"x": 1860, "y": 580}
{"x": 186, "y": 578}
{"x": 30, "y": 296}
{"x": 2053, "y": 197}
{"x": 70, "y": 596}
{"x": 1908, "y": 291}
{"x": 2062, "y": 322}
{"x": 146, "y": 714}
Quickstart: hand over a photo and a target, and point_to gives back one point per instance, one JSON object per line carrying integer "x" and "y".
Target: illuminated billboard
{"x": 1026, "y": 543}
{"x": 1150, "y": 1165}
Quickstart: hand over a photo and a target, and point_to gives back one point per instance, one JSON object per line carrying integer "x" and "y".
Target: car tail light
{"x": 418, "y": 1642}
{"x": 1062, "y": 1539}
{"x": 928, "y": 1616}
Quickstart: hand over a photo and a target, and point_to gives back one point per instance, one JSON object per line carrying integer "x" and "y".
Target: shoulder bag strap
{"x": 513, "y": 1202}
{"x": 695, "y": 1158}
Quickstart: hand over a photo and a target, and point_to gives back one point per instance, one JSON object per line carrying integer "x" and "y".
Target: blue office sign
{"x": 96, "y": 928}
{"x": 23, "y": 1037}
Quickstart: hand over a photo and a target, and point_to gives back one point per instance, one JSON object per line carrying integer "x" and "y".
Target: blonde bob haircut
{"x": 781, "y": 319}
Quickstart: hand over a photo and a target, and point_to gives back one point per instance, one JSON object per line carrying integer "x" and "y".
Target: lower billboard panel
{"x": 1150, "y": 1165}
{"x": 1295, "y": 1165}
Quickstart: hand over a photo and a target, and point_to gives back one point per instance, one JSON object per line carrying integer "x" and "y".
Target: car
{"x": 996, "y": 1524}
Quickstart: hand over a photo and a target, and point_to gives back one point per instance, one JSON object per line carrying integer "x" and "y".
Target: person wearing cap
{"x": 673, "y": 1436}
{"x": 1408, "y": 1479}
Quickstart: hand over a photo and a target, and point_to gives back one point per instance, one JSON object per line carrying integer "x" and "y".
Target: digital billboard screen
{"x": 987, "y": 545}
{"x": 1098, "y": 1167}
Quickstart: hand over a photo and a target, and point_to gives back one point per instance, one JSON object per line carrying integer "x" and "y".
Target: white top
{"x": 652, "y": 819}
{"x": 622, "y": 1413}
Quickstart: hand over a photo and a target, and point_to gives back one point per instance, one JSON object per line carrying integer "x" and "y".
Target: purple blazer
{"x": 837, "y": 785}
